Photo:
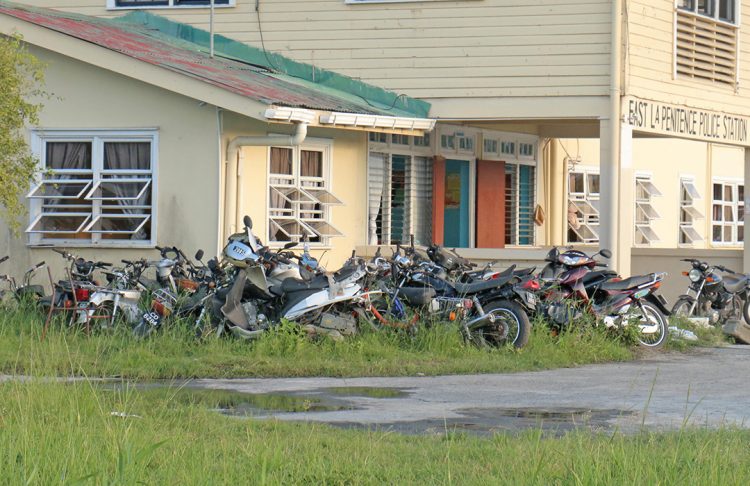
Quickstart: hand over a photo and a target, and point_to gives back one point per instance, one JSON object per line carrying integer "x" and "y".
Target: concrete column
{"x": 558, "y": 199}
{"x": 609, "y": 188}
{"x": 745, "y": 247}
{"x": 626, "y": 202}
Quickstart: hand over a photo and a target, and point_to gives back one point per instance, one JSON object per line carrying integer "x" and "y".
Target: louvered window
{"x": 689, "y": 213}
{"x": 299, "y": 194}
{"x": 400, "y": 199}
{"x": 728, "y": 213}
{"x": 583, "y": 207}
{"x": 520, "y": 200}
{"x": 645, "y": 213}
{"x": 94, "y": 189}
{"x": 707, "y": 40}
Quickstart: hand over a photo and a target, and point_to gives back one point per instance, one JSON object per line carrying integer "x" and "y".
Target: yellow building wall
{"x": 649, "y": 61}
{"x": 666, "y": 161}
{"x": 441, "y": 51}
{"x": 85, "y": 97}
{"x": 348, "y": 183}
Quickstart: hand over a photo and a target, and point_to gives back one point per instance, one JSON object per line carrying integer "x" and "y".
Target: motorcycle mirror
{"x": 199, "y": 255}
{"x": 248, "y": 222}
{"x": 289, "y": 245}
{"x": 213, "y": 264}
{"x": 605, "y": 253}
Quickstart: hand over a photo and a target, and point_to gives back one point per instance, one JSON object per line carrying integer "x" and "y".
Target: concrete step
{"x": 737, "y": 329}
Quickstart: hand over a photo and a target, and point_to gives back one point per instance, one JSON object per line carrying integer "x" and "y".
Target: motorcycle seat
{"x": 296, "y": 285}
{"x": 627, "y": 283}
{"x": 474, "y": 287}
{"x": 599, "y": 275}
{"x": 735, "y": 283}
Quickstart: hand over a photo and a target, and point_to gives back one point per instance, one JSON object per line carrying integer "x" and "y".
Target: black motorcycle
{"x": 714, "y": 296}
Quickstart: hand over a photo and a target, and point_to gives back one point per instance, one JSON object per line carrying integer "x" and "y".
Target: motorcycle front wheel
{"x": 682, "y": 307}
{"x": 510, "y": 326}
{"x": 653, "y": 325}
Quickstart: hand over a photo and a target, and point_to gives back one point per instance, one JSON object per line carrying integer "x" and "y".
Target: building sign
{"x": 682, "y": 121}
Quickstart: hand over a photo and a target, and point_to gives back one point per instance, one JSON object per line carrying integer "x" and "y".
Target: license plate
{"x": 153, "y": 318}
{"x": 530, "y": 298}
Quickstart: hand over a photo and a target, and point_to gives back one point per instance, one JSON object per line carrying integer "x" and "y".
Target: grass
{"x": 176, "y": 353}
{"x": 52, "y": 433}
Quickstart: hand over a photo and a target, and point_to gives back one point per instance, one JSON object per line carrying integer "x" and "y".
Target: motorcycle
{"x": 437, "y": 281}
{"x": 267, "y": 287}
{"x": 26, "y": 292}
{"x": 712, "y": 295}
{"x": 569, "y": 288}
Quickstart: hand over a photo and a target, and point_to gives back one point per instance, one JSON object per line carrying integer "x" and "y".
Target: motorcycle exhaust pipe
{"x": 480, "y": 321}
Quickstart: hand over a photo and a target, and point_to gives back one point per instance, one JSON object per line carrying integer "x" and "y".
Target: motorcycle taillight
{"x": 82, "y": 295}
{"x": 531, "y": 285}
{"x": 160, "y": 308}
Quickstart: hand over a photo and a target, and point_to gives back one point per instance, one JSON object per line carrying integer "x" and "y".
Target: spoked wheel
{"x": 653, "y": 325}
{"x": 510, "y": 326}
{"x": 683, "y": 306}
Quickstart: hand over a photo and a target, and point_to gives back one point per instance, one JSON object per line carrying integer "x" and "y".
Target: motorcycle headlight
{"x": 695, "y": 275}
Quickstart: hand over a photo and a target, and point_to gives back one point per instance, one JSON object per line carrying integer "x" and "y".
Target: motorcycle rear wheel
{"x": 511, "y": 326}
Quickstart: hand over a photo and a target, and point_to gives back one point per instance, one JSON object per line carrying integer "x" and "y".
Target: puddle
{"x": 367, "y": 391}
{"x": 229, "y": 402}
{"x": 251, "y": 404}
{"x": 489, "y": 421}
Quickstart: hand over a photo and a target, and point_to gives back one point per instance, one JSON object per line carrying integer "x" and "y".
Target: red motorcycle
{"x": 570, "y": 286}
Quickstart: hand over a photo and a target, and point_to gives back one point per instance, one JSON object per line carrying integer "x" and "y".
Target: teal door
{"x": 456, "y": 215}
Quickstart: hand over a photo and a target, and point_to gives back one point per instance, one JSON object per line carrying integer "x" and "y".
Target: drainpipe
{"x": 234, "y": 173}
{"x": 610, "y": 169}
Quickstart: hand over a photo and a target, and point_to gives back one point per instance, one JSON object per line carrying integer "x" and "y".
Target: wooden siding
{"x": 649, "y": 60}
{"x": 451, "y": 49}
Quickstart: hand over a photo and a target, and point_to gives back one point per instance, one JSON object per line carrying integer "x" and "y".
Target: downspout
{"x": 613, "y": 236}
{"x": 234, "y": 173}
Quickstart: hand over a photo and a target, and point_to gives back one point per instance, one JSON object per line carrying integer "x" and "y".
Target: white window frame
{"x": 737, "y": 206}
{"x": 688, "y": 206}
{"x": 112, "y": 5}
{"x": 588, "y": 221}
{"x": 715, "y": 13}
{"x": 387, "y": 182}
{"x": 645, "y": 204}
{"x": 461, "y": 136}
{"x": 518, "y": 164}
{"x": 97, "y": 138}
{"x": 314, "y": 145}
{"x": 384, "y": 143}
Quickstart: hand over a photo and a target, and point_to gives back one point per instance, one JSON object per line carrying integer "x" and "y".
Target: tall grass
{"x": 51, "y": 433}
{"x": 175, "y": 352}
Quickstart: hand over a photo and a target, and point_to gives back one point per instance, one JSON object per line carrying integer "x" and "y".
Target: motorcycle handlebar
{"x": 600, "y": 264}
{"x": 4, "y": 258}
{"x": 39, "y": 265}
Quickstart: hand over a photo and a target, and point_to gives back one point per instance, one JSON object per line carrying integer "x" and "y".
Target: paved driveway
{"x": 707, "y": 386}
